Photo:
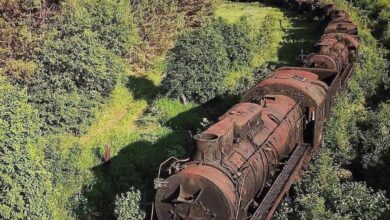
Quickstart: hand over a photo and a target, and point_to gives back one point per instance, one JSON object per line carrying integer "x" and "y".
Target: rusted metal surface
{"x": 303, "y": 86}
{"x": 198, "y": 192}
{"x": 260, "y": 135}
{"x": 282, "y": 183}
{"x": 237, "y": 170}
{"x": 334, "y": 51}
{"x": 342, "y": 27}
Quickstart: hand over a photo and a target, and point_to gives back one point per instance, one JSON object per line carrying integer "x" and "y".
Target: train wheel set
{"x": 245, "y": 163}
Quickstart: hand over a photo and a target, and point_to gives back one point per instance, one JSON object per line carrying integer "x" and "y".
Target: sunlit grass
{"x": 115, "y": 122}
{"x": 256, "y": 12}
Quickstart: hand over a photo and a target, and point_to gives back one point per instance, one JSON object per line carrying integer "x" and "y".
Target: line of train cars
{"x": 239, "y": 159}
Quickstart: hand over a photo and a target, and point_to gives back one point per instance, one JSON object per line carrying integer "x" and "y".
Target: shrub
{"x": 111, "y": 21}
{"x": 127, "y": 206}
{"x": 197, "y": 66}
{"x": 74, "y": 76}
{"x": 376, "y": 137}
{"x": 159, "y": 23}
{"x": 378, "y": 12}
{"x": 371, "y": 70}
{"x": 25, "y": 185}
{"x": 237, "y": 42}
{"x": 208, "y": 62}
{"x": 323, "y": 196}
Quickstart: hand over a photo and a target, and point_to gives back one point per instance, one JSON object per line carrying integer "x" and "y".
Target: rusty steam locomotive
{"x": 246, "y": 162}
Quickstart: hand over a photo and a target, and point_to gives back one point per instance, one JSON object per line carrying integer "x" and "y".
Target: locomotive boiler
{"x": 245, "y": 163}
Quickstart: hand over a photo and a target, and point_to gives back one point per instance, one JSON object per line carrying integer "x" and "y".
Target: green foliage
{"x": 127, "y": 206}
{"x": 216, "y": 59}
{"x": 376, "y": 136}
{"x": 341, "y": 129}
{"x": 25, "y": 185}
{"x": 74, "y": 75}
{"x": 378, "y": 12}
{"x": 165, "y": 110}
{"x": 323, "y": 196}
{"x": 197, "y": 66}
{"x": 237, "y": 42}
{"x": 371, "y": 70}
{"x": 111, "y": 21}
{"x": 159, "y": 23}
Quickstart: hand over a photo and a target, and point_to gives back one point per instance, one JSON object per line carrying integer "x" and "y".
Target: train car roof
{"x": 292, "y": 83}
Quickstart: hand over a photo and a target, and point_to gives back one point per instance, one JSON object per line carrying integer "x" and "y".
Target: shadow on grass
{"x": 137, "y": 164}
{"x": 299, "y": 39}
{"x": 143, "y": 88}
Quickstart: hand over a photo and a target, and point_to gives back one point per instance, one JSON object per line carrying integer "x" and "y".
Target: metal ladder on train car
{"x": 276, "y": 193}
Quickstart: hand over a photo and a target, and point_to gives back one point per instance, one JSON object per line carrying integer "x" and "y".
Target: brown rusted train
{"x": 246, "y": 162}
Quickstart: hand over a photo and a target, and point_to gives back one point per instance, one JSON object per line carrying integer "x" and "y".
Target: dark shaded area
{"x": 299, "y": 39}
{"x": 376, "y": 177}
{"x": 382, "y": 95}
{"x": 137, "y": 164}
{"x": 143, "y": 88}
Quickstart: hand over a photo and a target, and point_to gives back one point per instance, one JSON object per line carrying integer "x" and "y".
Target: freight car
{"x": 246, "y": 162}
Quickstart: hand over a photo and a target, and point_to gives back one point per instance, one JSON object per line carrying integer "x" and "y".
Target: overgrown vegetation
{"x": 220, "y": 58}
{"x": 378, "y": 12}
{"x": 351, "y": 138}
{"x": 79, "y": 130}
{"x": 159, "y": 22}
{"x": 26, "y": 190}
{"x": 127, "y": 206}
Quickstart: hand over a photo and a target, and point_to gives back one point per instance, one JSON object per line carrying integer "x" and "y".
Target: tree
{"x": 75, "y": 75}
{"x": 197, "y": 66}
{"x": 237, "y": 42}
{"x": 110, "y": 20}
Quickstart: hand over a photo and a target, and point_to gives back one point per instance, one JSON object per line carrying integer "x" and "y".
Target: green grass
{"x": 255, "y": 12}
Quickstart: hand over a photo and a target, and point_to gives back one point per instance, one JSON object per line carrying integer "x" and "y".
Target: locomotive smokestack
{"x": 207, "y": 147}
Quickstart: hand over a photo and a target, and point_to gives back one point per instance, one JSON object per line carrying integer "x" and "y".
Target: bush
{"x": 371, "y": 70}
{"x": 75, "y": 74}
{"x": 111, "y": 21}
{"x": 237, "y": 42}
{"x": 376, "y": 136}
{"x": 68, "y": 57}
{"x": 197, "y": 66}
{"x": 378, "y": 12}
{"x": 159, "y": 23}
{"x": 208, "y": 62}
{"x": 25, "y": 185}
{"x": 322, "y": 195}
{"x": 127, "y": 206}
